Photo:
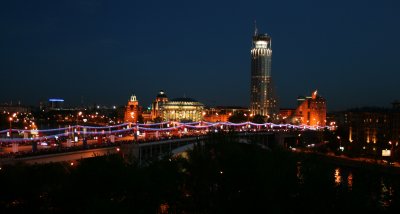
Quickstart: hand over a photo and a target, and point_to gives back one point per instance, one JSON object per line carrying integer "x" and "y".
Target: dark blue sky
{"x": 104, "y": 51}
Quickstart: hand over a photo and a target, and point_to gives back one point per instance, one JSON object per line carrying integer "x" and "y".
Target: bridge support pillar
{"x": 14, "y": 147}
{"x": 34, "y": 146}
{"x": 131, "y": 152}
{"x": 69, "y": 143}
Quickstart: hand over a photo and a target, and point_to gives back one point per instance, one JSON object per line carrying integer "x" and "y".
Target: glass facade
{"x": 262, "y": 99}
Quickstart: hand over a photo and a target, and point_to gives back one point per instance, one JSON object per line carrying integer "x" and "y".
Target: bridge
{"x": 141, "y": 140}
{"x": 140, "y": 151}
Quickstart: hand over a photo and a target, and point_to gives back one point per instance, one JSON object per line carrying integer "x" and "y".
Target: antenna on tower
{"x": 255, "y": 28}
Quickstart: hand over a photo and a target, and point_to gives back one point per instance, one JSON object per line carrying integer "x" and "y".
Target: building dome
{"x": 161, "y": 94}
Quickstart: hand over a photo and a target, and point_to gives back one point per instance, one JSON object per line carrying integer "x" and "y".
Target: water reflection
{"x": 386, "y": 195}
{"x": 338, "y": 177}
{"x": 163, "y": 209}
{"x": 299, "y": 173}
{"x": 350, "y": 181}
{"x": 356, "y": 188}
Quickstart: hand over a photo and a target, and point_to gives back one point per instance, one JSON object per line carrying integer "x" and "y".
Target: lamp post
{"x": 76, "y": 140}
{"x": 340, "y": 144}
{"x": 10, "y": 119}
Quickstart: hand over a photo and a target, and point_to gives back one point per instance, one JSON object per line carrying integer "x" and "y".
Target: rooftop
{"x": 183, "y": 99}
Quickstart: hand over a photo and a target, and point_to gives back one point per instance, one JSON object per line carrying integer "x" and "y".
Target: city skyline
{"x": 105, "y": 51}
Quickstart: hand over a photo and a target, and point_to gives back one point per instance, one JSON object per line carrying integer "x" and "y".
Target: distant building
{"x": 310, "y": 111}
{"x": 262, "y": 98}
{"x": 285, "y": 114}
{"x": 370, "y": 125}
{"x": 132, "y": 110}
{"x": 156, "y": 108}
{"x": 182, "y": 110}
{"x": 221, "y": 113}
{"x": 14, "y": 108}
{"x": 146, "y": 114}
{"x": 56, "y": 103}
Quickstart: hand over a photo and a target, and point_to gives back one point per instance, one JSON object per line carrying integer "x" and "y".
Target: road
{"x": 28, "y": 148}
{"x": 70, "y": 156}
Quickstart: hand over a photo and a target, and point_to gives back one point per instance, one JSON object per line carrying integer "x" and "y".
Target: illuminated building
{"x": 146, "y": 114}
{"x": 370, "y": 125}
{"x": 262, "y": 99}
{"x": 285, "y": 114}
{"x": 310, "y": 111}
{"x": 182, "y": 110}
{"x": 156, "y": 110}
{"x": 132, "y": 110}
{"x": 56, "y": 103}
{"x": 221, "y": 113}
{"x": 14, "y": 108}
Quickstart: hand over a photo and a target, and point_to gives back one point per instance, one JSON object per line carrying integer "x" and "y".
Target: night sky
{"x": 103, "y": 51}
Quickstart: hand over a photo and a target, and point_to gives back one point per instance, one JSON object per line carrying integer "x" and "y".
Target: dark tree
{"x": 258, "y": 119}
{"x": 237, "y": 117}
{"x": 140, "y": 119}
{"x": 158, "y": 120}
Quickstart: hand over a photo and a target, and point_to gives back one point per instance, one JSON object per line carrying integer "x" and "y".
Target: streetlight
{"x": 340, "y": 144}
{"x": 10, "y": 119}
{"x": 77, "y": 128}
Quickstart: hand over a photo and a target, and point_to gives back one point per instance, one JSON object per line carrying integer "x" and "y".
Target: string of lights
{"x": 77, "y": 129}
{"x": 191, "y": 125}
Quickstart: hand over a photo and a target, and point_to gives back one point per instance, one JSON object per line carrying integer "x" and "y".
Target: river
{"x": 353, "y": 189}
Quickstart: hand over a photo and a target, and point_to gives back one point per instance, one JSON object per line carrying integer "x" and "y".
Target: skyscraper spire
{"x": 255, "y": 28}
{"x": 262, "y": 98}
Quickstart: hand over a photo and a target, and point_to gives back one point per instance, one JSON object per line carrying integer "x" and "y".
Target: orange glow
{"x": 338, "y": 177}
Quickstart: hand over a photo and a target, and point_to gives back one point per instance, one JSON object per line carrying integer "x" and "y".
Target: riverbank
{"x": 364, "y": 163}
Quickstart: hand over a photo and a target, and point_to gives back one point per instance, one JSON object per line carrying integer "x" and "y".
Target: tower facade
{"x": 161, "y": 99}
{"x": 262, "y": 99}
{"x": 132, "y": 110}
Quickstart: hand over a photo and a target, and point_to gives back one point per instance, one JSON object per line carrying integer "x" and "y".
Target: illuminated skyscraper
{"x": 262, "y": 99}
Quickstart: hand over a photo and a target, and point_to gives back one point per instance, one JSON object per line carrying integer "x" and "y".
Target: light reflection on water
{"x": 338, "y": 177}
{"x": 385, "y": 191}
{"x": 350, "y": 181}
{"x": 386, "y": 194}
{"x": 341, "y": 178}
{"x": 299, "y": 173}
{"x": 380, "y": 190}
